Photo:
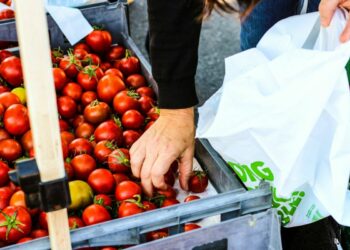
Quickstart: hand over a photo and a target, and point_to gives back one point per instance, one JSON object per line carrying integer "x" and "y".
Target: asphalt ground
{"x": 219, "y": 39}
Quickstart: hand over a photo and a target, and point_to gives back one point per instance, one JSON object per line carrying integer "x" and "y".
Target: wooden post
{"x": 33, "y": 37}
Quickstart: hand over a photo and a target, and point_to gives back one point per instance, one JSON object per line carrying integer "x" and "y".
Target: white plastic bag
{"x": 284, "y": 117}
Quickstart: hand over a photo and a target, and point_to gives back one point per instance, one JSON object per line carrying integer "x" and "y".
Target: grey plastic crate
{"x": 232, "y": 201}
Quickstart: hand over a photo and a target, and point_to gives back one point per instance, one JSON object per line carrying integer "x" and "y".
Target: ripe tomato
{"x": 125, "y": 101}
{"x": 101, "y": 181}
{"x": 67, "y": 107}
{"x": 83, "y": 165}
{"x": 5, "y": 54}
{"x": 174, "y": 166}
{"x": 94, "y": 214}
{"x": 128, "y": 208}
{"x": 127, "y": 190}
{"x": 105, "y": 66}
{"x": 39, "y": 233}
{"x": 15, "y": 225}
{"x": 103, "y": 200}
{"x": 59, "y": 78}
{"x": 69, "y": 170}
{"x": 109, "y": 130}
{"x": 83, "y": 46}
{"x": 88, "y": 97}
{"x": 24, "y": 239}
{"x": 153, "y": 113}
{"x": 84, "y": 130}
{"x": 43, "y": 221}
{"x": 99, "y": 41}
{"x": 79, "y": 119}
{"x": 119, "y": 160}
{"x": 6, "y": 14}
{"x": 120, "y": 177}
{"x": 10, "y": 150}
{"x": 169, "y": 178}
{"x": 3, "y": 88}
{"x": 4, "y": 174}
{"x": 129, "y": 137}
{"x": 190, "y": 227}
{"x": 169, "y": 193}
{"x": 75, "y": 222}
{"x": 169, "y": 202}
{"x": 92, "y": 59}
{"x": 148, "y": 206}
{"x": 27, "y": 141}
{"x": 146, "y": 103}
{"x": 67, "y": 136}
{"x": 136, "y": 81}
{"x": 89, "y": 77}
{"x": 132, "y": 119}
{"x": 56, "y": 56}
{"x": 146, "y": 91}
{"x": 18, "y": 199}
{"x": 16, "y": 119}
{"x": 108, "y": 87}
{"x": 115, "y": 53}
{"x": 11, "y": 71}
{"x": 103, "y": 149}
{"x": 149, "y": 124}
{"x": 114, "y": 71}
{"x": 5, "y": 196}
{"x": 156, "y": 235}
{"x": 191, "y": 198}
{"x": 4, "y": 135}
{"x": 80, "y": 146}
{"x": 70, "y": 65}
{"x": 109, "y": 248}
{"x": 2, "y": 110}
{"x": 198, "y": 182}
{"x": 80, "y": 54}
{"x": 64, "y": 126}
{"x": 97, "y": 112}
{"x": 129, "y": 65}
{"x": 73, "y": 90}
{"x": 65, "y": 149}
{"x": 7, "y": 99}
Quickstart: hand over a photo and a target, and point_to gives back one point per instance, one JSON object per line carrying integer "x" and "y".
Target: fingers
{"x": 327, "y": 9}
{"x": 345, "y": 36}
{"x": 185, "y": 167}
{"x": 146, "y": 171}
{"x": 160, "y": 168}
{"x": 137, "y": 156}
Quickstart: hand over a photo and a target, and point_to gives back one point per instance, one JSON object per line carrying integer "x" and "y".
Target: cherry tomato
{"x": 146, "y": 103}
{"x": 24, "y": 239}
{"x": 56, "y": 56}
{"x": 4, "y": 174}
{"x": 108, "y": 87}
{"x": 83, "y": 46}
{"x": 83, "y": 165}
{"x": 10, "y": 150}
{"x": 128, "y": 65}
{"x": 92, "y": 59}
{"x": 136, "y": 81}
{"x": 103, "y": 149}
{"x": 130, "y": 137}
{"x": 6, "y": 14}
{"x": 169, "y": 193}
{"x": 99, "y": 41}
{"x": 88, "y": 97}
{"x": 153, "y": 114}
{"x": 70, "y": 65}
{"x": 96, "y": 112}
{"x": 89, "y": 77}
{"x": 101, "y": 181}
{"x": 7, "y": 99}
{"x": 125, "y": 101}
{"x": 198, "y": 182}
{"x": 64, "y": 126}
{"x": 79, "y": 119}
{"x": 5, "y": 196}
{"x": 120, "y": 177}
{"x": 103, "y": 200}
{"x": 110, "y": 131}
{"x": 5, "y": 54}
{"x": 80, "y": 146}
{"x": 116, "y": 72}
{"x": 116, "y": 52}
{"x": 27, "y": 141}
{"x": 128, "y": 208}
{"x": 148, "y": 125}
{"x": 84, "y": 130}
{"x": 69, "y": 170}
{"x": 191, "y": 198}
{"x": 94, "y": 214}
{"x": 4, "y": 134}
{"x": 67, "y": 136}
{"x": 43, "y": 221}
{"x": 169, "y": 178}
{"x": 190, "y": 227}
{"x": 73, "y": 90}
{"x": 119, "y": 161}
{"x": 132, "y": 119}
{"x": 105, "y": 66}
{"x": 59, "y": 78}
{"x": 146, "y": 91}
{"x": 148, "y": 206}
{"x": 4, "y": 89}
{"x": 80, "y": 54}
{"x": 75, "y": 222}
{"x": 169, "y": 202}
{"x": 127, "y": 190}
{"x": 39, "y": 233}
{"x": 156, "y": 235}
{"x": 11, "y": 71}
{"x": 16, "y": 119}
{"x": 67, "y": 107}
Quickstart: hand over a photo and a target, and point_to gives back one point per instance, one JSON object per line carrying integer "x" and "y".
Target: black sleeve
{"x": 174, "y": 39}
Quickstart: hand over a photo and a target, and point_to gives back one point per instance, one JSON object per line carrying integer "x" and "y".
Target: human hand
{"x": 171, "y": 137}
{"x": 327, "y": 9}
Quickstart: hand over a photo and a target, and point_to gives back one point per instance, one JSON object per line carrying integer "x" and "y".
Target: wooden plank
{"x": 33, "y": 37}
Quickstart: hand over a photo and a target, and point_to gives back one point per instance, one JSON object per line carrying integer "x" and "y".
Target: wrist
{"x": 186, "y": 113}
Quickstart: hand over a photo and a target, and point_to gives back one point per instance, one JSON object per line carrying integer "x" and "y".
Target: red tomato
{"x": 59, "y": 78}
{"x": 4, "y": 89}
{"x": 67, "y": 107}
{"x": 110, "y": 131}
{"x": 132, "y": 119}
{"x": 115, "y": 53}
{"x": 11, "y": 71}
{"x": 84, "y": 130}
{"x": 15, "y": 225}
{"x": 156, "y": 235}
{"x": 108, "y": 87}
{"x": 56, "y": 56}
{"x": 24, "y": 239}
{"x": 99, "y": 41}
{"x": 109, "y": 248}
{"x": 83, "y": 165}
{"x": 128, "y": 208}
{"x": 2, "y": 110}
{"x": 190, "y": 227}
{"x": 92, "y": 59}
{"x": 16, "y": 119}
{"x": 129, "y": 65}
{"x": 39, "y": 233}
{"x": 136, "y": 81}
{"x": 174, "y": 167}
{"x": 146, "y": 91}
{"x": 83, "y": 46}
{"x": 27, "y": 141}
{"x": 10, "y": 150}
{"x": 5, "y": 196}
{"x": 146, "y": 103}
{"x": 5, "y": 54}
{"x": 149, "y": 124}
{"x": 101, "y": 181}
{"x": 120, "y": 177}
{"x": 130, "y": 137}
{"x": 73, "y": 90}
{"x": 70, "y": 65}
{"x": 64, "y": 126}
{"x": 43, "y": 220}
{"x": 127, "y": 190}
{"x": 114, "y": 71}
{"x": 7, "y": 99}
{"x": 94, "y": 214}
{"x": 67, "y": 136}
{"x": 105, "y": 66}
{"x": 103, "y": 200}
{"x": 169, "y": 193}
{"x": 169, "y": 178}
{"x": 4, "y": 176}
{"x": 79, "y": 119}
{"x": 4, "y": 135}
{"x": 88, "y": 97}
{"x": 198, "y": 182}
{"x": 80, "y": 54}
{"x": 119, "y": 160}
{"x": 125, "y": 101}
{"x": 80, "y": 146}
{"x": 148, "y": 206}
{"x": 69, "y": 170}
{"x": 89, "y": 77}
{"x": 169, "y": 202}
{"x": 103, "y": 149}
{"x": 96, "y": 112}
{"x": 191, "y": 198}
{"x": 75, "y": 222}
{"x": 65, "y": 149}
{"x": 6, "y": 14}
{"x": 153, "y": 113}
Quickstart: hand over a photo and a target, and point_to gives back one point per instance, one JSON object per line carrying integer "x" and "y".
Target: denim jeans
{"x": 266, "y": 14}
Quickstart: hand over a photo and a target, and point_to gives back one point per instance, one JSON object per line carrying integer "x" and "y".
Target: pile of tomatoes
{"x": 104, "y": 106}
{"x": 6, "y": 13}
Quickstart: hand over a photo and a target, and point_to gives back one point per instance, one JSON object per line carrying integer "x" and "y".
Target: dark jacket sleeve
{"x": 174, "y": 39}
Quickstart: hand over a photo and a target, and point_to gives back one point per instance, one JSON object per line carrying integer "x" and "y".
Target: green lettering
{"x": 263, "y": 173}
{"x": 249, "y": 173}
{"x": 239, "y": 170}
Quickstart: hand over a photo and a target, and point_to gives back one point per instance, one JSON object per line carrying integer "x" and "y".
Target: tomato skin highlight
{"x": 10, "y": 150}
{"x": 127, "y": 190}
{"x": 101, "y": 181}
{"x": 94, "y": 214}
{"x": 11, "y": 71}
{"x": 16, "y": 119}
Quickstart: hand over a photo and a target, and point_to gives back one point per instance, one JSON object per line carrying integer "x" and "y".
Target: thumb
{"x": 185, "y": 167}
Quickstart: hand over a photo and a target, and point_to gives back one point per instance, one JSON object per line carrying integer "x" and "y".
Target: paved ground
{"x": 219, "y": 39}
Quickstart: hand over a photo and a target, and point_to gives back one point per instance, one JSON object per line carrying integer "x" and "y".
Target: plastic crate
{"x": 232, "y": 201}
